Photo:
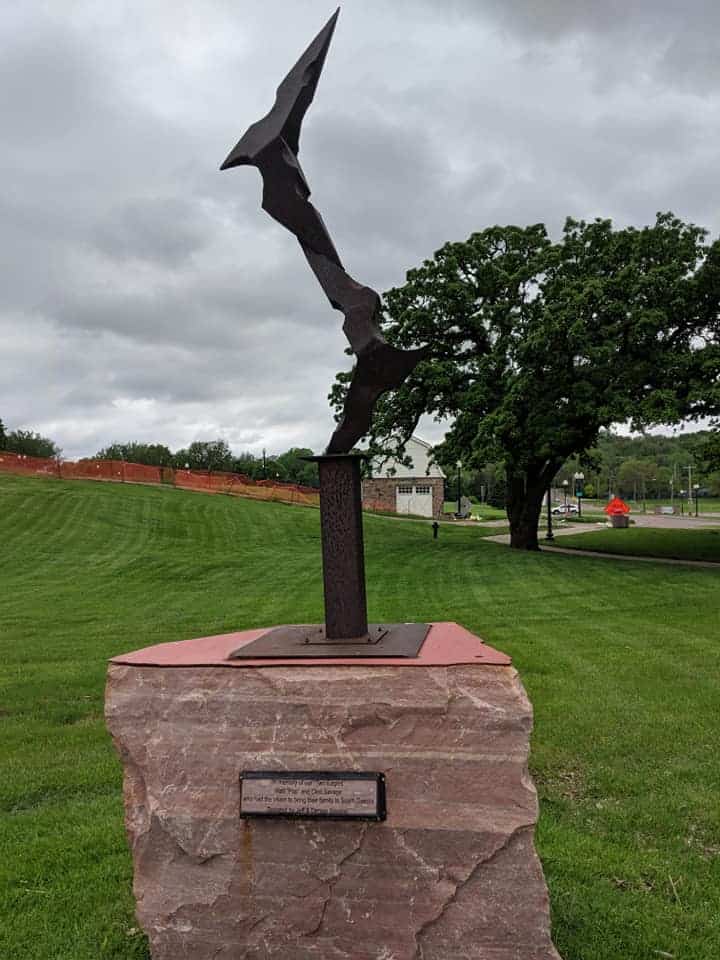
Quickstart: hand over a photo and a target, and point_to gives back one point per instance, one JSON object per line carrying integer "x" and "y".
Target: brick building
{"x": 418, "y": 489}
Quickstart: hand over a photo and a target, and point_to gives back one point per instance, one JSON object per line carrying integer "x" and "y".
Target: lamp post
{"x": 579, "y": 477}
{"x": 459, "y": 486}
{"x": 549, "y": 534}
{"x": 696, "y": 488}
{"x": 565, "y": 486}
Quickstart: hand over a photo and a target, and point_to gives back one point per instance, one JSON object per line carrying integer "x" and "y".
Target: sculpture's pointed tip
{"x": 329, "y": 28}
{"x": 299, "y": 88}
{"x": 233, "y": 159}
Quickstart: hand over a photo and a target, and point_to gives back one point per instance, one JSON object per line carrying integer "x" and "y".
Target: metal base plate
{"x": 310, "y": 642}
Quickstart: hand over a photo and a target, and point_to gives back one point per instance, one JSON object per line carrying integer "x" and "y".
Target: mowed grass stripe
{"x": 620, "y": 659}
{"x": 700, "y": 544}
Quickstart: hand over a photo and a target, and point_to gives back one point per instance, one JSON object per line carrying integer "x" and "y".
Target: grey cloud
{"x": 167, "y": 229}
{"x": 620, "y": 40}
{"x": 146, "y": 295}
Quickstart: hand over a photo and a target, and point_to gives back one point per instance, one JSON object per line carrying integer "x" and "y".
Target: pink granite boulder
{"x": 451, "y": 874}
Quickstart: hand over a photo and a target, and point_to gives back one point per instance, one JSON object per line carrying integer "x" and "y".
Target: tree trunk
{"x": 524, "y": 504}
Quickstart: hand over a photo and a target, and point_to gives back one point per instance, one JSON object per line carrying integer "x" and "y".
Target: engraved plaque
{"x": 331, "y": 795}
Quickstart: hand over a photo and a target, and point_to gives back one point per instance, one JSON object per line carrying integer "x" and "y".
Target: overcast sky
{"x": 146, "y": 296}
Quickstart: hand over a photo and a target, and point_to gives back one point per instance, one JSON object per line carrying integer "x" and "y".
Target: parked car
{"x": 565, "y": 509}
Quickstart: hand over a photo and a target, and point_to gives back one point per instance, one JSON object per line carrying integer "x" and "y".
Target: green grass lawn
{"x": 621, "y": 661}
{"x": 479, "y": 511}
{"x": 646, "y": 542}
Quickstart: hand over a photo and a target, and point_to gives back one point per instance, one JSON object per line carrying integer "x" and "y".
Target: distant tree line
{"x": 213, "y": 455}
{"x": 28, "y": 443}
{"x": 216, "y": 455}
{"x": 649, "y": 466}
{"x": 637, "y": 467}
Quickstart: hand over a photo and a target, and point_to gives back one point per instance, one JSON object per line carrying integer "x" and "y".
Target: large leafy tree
{"x": 296, "y": 469}
{"x": 206, "y": 455}
{"x": 31, "y": 444}
{"x": 151, "y": 454}
{"x": 536, "y": 345}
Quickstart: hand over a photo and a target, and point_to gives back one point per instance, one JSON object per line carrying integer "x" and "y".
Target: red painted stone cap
{"x": 447, "y": 644}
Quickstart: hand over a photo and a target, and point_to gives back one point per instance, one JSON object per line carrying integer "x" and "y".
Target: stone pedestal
{"x": 451, "y": 874}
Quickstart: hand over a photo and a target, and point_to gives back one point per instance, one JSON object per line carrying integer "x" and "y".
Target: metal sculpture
{"x": 272, "y": 146}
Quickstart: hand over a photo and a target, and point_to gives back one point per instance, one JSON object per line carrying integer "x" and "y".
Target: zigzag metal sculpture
{"x": 272, "y": 146}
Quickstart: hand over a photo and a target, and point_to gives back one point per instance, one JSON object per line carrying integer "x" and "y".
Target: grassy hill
{"x": 620, "y": 659}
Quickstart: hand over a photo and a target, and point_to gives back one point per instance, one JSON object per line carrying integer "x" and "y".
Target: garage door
{"x": 414, "y": 498}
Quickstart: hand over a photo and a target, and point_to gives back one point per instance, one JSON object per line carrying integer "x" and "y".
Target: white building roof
{"x": 419, "y": 453}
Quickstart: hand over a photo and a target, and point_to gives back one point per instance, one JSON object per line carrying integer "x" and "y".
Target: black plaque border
{"x": 379, "y": 779}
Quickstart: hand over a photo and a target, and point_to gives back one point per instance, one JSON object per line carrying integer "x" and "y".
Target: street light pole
{"x": 459, "y": 486}
{"x": 696, "y": 488}
{"x": 579, "y": 477}
{"x": 565, "y": 486}
{"x": 549, "y": 534}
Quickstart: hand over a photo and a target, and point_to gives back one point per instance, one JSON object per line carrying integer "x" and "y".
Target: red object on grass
{"x": 617, "y": 507}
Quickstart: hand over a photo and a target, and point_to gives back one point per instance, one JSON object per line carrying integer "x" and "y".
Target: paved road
{"x": 652, "y": 520}
{"x": 658, "y": 520}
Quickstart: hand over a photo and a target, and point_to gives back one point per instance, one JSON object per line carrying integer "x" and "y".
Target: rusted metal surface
{"x": 301, "y": 641}
{"x": 343, "y": 550}
{"x": 272, "y": 145}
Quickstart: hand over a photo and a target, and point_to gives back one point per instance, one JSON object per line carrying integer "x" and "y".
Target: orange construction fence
{"x": 118, "y": 471}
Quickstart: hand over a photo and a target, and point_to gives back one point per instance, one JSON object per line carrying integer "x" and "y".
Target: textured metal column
{"x": 342, "y": 546}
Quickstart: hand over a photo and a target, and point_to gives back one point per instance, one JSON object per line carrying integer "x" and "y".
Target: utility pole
{"x": 689, "y": 471}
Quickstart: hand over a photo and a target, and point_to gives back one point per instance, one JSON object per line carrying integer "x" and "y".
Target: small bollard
{"x": 436, "y": 527}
